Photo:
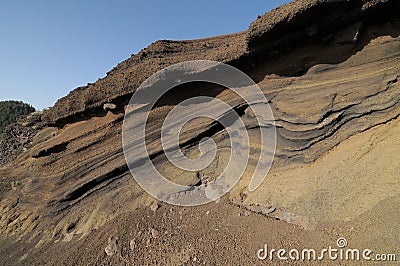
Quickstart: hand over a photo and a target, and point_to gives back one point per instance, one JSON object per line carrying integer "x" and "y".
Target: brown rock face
{"x": 330, "y": 71}
{"x": 277, "y": 32}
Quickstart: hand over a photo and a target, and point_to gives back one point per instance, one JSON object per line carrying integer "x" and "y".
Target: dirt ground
{"x": 213, "y": 234}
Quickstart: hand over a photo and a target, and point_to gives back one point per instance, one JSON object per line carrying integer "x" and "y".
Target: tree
{"x": 10, "y": 111}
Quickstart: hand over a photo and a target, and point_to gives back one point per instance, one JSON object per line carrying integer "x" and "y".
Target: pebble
{"x": 112, "y": 247}
{"x": 154, "y": 207}
{"x": 132, "y": 244}
{"x": 154, "y": 233}
{"x": 109, "y": 106}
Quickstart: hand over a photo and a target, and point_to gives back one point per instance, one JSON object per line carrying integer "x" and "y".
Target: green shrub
{"x": 15, "y": 184}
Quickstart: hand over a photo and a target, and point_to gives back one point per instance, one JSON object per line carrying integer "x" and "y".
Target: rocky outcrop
{"x": 122, "y": 81}
{"x": 299, "y": 22}
{"x": 307, "y": 20}
{"x": 18, "y": 138}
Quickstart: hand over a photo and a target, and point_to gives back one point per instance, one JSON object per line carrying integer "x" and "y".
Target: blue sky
{"x": 48, "y": 48}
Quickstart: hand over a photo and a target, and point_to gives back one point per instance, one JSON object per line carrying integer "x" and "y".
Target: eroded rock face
{"x": 274, "y": 33}
{"x": 330, "y": 70}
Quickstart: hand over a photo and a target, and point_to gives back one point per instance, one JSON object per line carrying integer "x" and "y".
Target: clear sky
{"x": 50, "y": 47}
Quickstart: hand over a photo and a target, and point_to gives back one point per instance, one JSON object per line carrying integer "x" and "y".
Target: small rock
{"x": 154, "y": 207}
{"x": 208, "y": 212}
{"x": 132, "y": 244}
{"x": 109, "y": 106}
{"x": 154, "y": 233}
{"x": 249, "y": 112}
{"x": 268, "y": 210}
{"x": 112, "y": 248}
{"x": 246, "y": 213}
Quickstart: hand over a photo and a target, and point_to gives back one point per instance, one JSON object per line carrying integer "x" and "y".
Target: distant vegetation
{"x": 11, "y": 110}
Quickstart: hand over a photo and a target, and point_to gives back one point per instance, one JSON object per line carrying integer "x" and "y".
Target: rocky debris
{"x": 19, "y": 137}
{"x": 16, "y": 140}
{"x": 254, "y": 207}
{"x": 204, "y": 178}
{"x": 277, "y": 213}
{"x": 32, "y": 119}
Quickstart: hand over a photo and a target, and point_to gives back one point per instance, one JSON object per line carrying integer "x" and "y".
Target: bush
{"x": 10, "y": 111}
